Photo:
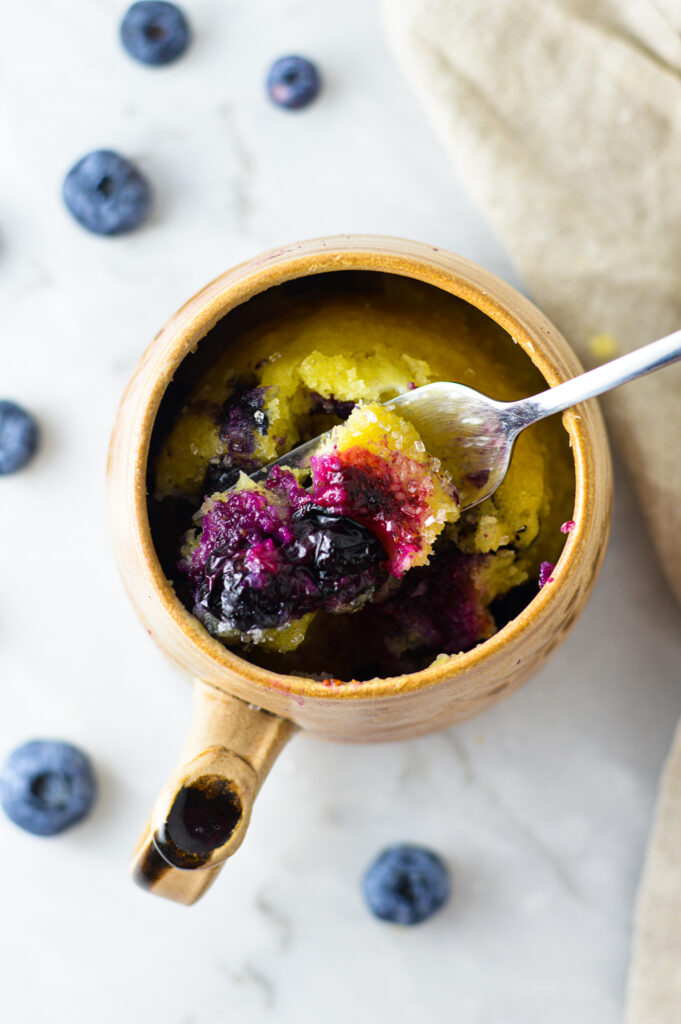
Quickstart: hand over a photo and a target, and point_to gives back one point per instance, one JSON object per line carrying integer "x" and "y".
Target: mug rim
{"x": 513, "y": 312}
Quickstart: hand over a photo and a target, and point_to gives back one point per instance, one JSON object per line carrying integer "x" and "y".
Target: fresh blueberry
{"x": 406, "y": 884}
{"x": 106, "y": 193}
{"x": 154, "y": 32}
{"x": 18, "y": 437}
{"x": 293, "y": 82}
{"x": 46, "y": 786}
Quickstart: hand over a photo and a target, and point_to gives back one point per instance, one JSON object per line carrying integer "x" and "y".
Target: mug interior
{"x": 516, "y": 375}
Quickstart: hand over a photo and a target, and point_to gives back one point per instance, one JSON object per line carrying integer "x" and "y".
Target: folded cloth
{"x": 563, "y": 119}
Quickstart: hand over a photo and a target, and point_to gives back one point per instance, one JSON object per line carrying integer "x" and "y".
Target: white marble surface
{"x": 542, "y": 806}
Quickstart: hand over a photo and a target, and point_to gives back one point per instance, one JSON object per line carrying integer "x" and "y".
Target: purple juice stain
{"x": 478, "y": 479}
{"x": 437, "y": 607}
{"x": 545, "y": 570}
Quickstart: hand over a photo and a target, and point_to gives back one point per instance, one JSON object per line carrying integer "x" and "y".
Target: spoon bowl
{"x": 463, "y": 428}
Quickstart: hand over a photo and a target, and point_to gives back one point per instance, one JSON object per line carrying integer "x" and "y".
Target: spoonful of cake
{"x": 474, "y": 435}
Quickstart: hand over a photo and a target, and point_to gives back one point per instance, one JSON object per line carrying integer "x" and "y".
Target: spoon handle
{"x": 604, "y": 378}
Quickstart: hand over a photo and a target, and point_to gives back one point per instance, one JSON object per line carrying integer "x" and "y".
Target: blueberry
{"x": 221, "y": 475}
{"x": 244, "y": 600}
{"x": 293, "y": 82}
{"x": 18, "y": 437}
{"x": 154, "y": 32}
{"x": 106, "y": 193}
{"x": 334, "y": 547}
{"x": 241, "y": 418}
{"x": 46, "y": 786}
{"x": 545, "y": 571}
{"x": 406, "y": 884}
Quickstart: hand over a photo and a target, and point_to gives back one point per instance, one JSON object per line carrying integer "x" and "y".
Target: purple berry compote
{"x": 270, "y": 555}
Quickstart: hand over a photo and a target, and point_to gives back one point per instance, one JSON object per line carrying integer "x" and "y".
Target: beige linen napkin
{"x": 563, "y": 118}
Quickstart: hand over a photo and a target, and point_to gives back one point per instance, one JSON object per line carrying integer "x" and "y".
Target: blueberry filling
{"x": 259, "y": 565}
{"x": 220, "y": 476}
{"x": 241, "y": 418}
{"x": 438, "y": 608}
{"x": 367, "y": 487}
{"x": 106, "y": 193}
{"x": 333, "y": 548}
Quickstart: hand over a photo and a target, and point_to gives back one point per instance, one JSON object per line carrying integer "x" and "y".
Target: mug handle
{"x": 201, "y": 815}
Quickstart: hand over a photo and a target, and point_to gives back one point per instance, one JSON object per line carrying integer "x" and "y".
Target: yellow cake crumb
{"x": 603, "y": 347}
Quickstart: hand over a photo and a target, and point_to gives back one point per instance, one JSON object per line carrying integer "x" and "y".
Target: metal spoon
{"x": 474, "y": 436}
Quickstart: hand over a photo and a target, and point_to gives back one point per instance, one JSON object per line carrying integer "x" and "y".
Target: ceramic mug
{"x": 244, "y": 714}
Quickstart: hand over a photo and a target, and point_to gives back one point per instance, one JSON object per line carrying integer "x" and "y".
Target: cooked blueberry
{"x": 18, "y": 437}
{"x": 154, "y": 32}
{"x": 334, "y": 547}
{"x": 243, "y": 417}
{"x": 106, "y": 193}
{"x": 406, "y": 884}
{"x": 293, "y": 82}
{"x": 46, "y": 786}
{"x": 247, "y": 600}
{"x": 331, "y": 405}
{"x": 220, "y": 476}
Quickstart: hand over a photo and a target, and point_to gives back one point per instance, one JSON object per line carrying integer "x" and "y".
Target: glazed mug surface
{"x": 244, "y": 714}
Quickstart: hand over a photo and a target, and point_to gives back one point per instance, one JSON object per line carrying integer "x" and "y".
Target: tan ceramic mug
{"x": 244, "y": 714}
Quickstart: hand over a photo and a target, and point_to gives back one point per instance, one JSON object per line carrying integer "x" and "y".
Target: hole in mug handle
{"x": 202, "y": 814}
{"x": 203, "y": 817}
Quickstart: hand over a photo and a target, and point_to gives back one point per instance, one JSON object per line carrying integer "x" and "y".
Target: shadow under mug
{"x": 243, "y": 714}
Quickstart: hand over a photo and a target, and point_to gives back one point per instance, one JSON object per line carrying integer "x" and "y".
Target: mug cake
{"x": 364, "y": 565}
